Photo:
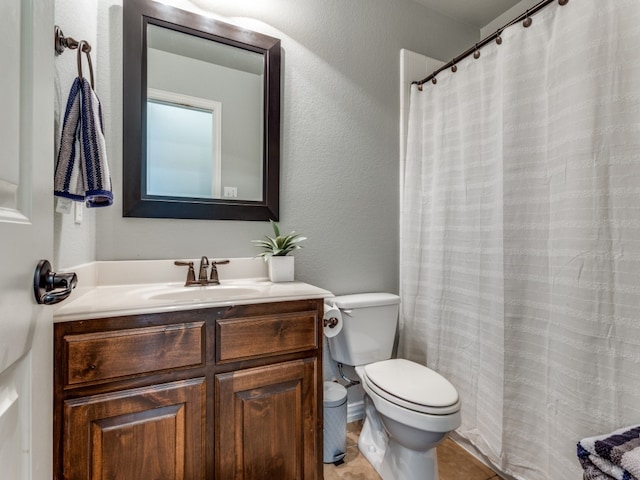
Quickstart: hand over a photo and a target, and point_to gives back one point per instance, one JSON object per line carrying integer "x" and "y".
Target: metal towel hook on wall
{"x": 81, "y": 49}
{"x": 61, "y": 43}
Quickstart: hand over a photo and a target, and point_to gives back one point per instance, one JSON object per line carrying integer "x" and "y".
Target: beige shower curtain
{"x": 521, "y": 235}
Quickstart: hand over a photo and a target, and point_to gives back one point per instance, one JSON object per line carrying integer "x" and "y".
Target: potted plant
{"x": 276, "y": 253}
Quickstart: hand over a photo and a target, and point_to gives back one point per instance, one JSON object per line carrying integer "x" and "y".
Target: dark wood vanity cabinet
{"x": 229, "y": 393}
{"x": 266, "y": 422}
{"x": 148, "y": 432}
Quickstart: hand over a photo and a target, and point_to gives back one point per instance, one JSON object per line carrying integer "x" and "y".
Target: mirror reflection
{"x": 194, "y": 88}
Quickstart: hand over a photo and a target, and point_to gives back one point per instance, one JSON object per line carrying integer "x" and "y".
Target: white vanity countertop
{"x": 152, "y": 286}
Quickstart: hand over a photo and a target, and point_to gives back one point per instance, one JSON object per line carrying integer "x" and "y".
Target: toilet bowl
{"x": 416, "y": 417}
{"x": 409, "y": 408}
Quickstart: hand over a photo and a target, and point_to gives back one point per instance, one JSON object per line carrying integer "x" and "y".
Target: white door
{"x": 26, "y": 233}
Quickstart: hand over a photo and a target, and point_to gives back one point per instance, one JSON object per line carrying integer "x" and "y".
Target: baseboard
{"x": 355, "y": 411}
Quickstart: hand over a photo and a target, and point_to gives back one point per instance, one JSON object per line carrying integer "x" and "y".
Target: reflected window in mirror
{"x": 183, "y": 145}
{"x": 201, "y": 117}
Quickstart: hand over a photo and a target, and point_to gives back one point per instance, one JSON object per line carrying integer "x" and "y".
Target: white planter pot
{"x": 281, "y": 269}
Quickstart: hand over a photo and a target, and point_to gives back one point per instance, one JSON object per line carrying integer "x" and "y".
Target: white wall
{"x": 413, "y": 66}
{"x": 340, "y": 136}
{"x": 506, "y": 17}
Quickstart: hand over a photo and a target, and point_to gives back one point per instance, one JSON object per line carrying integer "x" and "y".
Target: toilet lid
{"x": 412, "y": 386}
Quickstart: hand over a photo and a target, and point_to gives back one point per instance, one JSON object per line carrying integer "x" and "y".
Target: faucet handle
{"x": 214, "y": 271}
{"x": 191, "y": 274}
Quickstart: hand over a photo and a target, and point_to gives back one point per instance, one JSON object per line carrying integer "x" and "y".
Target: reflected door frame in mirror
{"x": 138, "y": 14}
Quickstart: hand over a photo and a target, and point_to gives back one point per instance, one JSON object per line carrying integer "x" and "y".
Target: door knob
{"x": 51, "y": 287}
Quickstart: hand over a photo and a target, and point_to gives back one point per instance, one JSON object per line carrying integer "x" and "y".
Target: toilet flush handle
{"x": 330, "y": 322}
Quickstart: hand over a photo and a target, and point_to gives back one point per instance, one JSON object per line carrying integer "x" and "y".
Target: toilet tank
{"x": 369, "y": 322}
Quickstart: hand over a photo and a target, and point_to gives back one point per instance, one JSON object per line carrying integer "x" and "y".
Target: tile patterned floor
{"x": 454, "y": 462}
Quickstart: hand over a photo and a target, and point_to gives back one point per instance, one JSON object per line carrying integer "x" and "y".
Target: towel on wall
{"x": 612, "y": 456}
{"x": 82, "y": 172}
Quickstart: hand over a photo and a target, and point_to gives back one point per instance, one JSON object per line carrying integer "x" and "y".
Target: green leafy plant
{"x": 278, "y": 245}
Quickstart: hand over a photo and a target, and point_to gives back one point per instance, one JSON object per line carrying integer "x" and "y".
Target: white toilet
{"x": 409, "y": 408}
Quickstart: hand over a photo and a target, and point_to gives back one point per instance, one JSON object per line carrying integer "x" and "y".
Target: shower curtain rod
{"x": 475, "y": 50}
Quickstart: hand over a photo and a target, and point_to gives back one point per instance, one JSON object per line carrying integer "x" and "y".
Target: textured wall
{"x": 340, "y": 117}
{"x": 73, "y": 243}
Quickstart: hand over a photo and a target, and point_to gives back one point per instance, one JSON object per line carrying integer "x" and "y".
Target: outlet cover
{"x": 231, "y": 192}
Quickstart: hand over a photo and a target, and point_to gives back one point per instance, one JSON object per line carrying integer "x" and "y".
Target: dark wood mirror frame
{"x": 137, "y": 15}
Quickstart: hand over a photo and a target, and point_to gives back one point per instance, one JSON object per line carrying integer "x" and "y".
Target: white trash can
{"x": 335, "y": 422}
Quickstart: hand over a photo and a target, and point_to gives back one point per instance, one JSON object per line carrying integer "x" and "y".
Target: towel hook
{"x": 81, "y": 48}
{"x": 61, "y": 42}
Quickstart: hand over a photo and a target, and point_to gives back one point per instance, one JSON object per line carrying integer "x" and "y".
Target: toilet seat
{"x": 412, "y": 386}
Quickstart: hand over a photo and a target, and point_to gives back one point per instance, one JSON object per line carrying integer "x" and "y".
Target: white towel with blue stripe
{"x": 82, "y": 172}
{"x": 614, "y": 456}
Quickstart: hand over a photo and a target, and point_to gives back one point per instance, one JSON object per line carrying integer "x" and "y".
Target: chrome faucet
{"x": 202, "y": 272}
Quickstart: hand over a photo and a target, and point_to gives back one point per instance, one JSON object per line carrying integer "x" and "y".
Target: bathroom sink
{"x": 205, "y": 294}
{"x": 158, "y": 286}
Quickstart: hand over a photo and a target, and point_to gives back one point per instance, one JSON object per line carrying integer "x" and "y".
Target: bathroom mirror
{"x": 201, "y": 117}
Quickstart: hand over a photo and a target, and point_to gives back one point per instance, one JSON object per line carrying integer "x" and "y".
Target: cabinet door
{"x": 266, "y": 423}
{"x": 154, "y": 433}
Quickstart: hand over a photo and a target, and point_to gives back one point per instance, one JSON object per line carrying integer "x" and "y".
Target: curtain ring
{"x": 527, "y": 21}
{"x": 454, "y": 68}
{"x": 476, "y": 54}
{"x": 498, "y": 37}
{"x": 83, "y": 46}
{"x": 563, "y": 2}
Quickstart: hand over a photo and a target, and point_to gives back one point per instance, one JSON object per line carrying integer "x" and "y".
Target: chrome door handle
{"x": 51, "y": 287}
